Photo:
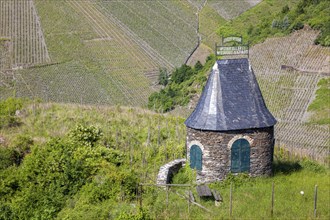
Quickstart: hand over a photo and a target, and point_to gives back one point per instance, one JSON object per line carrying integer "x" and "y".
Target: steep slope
{"x": 20, "y": 24}
{"x": 167, "y": 26}
{"x": 94, "y": 58}
{"x": 231, "y": 9}
{"x": 288, "y": 70}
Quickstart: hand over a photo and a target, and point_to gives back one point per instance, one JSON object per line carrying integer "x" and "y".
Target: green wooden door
{"x": 195, "y": 157}
{"x": 240, "y": 156}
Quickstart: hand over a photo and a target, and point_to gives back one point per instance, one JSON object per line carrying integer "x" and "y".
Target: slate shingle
{"x": 231, "y": 100}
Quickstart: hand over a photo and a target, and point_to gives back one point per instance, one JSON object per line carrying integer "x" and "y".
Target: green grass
{"x": 278, "y": 18}
{"x": 137, "y": 134}
{"x": 252, "y": 196}
{"x": 255, "y": 20}
{"x": 320, "y": 107}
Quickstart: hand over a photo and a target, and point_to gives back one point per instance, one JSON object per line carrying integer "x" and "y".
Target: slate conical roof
{"x": 231, "y": 100}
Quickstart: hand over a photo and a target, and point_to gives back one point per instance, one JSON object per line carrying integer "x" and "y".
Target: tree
{"x": 163, "y": 76}
{"x": 198, "y": 66}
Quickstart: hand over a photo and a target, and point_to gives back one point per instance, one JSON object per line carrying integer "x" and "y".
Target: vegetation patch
{"x": 84, "y": 162}
{"x": 320, "y": 106}
{"x": 183, "y": 84}
{"x": 66, "y": 161}
{"x": 278, "y": 18}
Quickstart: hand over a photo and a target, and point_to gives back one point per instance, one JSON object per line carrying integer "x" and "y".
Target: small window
{"x": 196, "y": 157}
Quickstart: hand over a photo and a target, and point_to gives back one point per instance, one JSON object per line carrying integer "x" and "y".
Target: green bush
{"x": 8, "y": 110}
{"x": 14, "y": 154}
{"x": 179, "y": 90}
{"x": 182, "y": 74}
{"x": 163, "y": 76}
{"x": 185, "y": 175}
{"x": 7, "y": 157}
{"x": 87, "y": 136}
{"x": 281, "y": 21}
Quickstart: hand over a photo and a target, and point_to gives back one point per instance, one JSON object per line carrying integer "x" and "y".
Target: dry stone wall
{"x": 167, "y": 171}
{"x": 216, "y": 148}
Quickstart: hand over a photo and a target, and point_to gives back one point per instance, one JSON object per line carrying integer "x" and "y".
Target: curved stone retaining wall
{"x": 167, "y": 171}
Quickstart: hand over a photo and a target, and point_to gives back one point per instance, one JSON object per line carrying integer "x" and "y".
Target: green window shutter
{"x": 240, "y": 156}
{"x": 195, "y": 157}
{"x": 192, "y": 157}
{"x": 235, "y": 160}
{"x": 245, "y": 156}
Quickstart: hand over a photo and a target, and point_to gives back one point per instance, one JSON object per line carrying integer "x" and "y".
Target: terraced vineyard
{"x": 209, "y": 21}
{"x": 95, "y": 58}
{"x": 19, "y": 23}
{"x": 288, "y": 91}
{"x": 5, "y": 54}
{"x": 95, "y": 53}
{"x": 231, "y": 9}
{"x": 167, "y": 26}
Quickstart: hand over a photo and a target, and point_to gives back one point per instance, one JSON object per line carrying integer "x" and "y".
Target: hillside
{"x": 91, "y": 52}
{"x": 279, "y": 18}
{"x": 289, "y": 91}
{"x": 84, "y": 162}
{"x": 106, "y": 60}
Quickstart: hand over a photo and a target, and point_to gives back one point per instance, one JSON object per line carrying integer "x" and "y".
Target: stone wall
{"x": 216, "y": 147}
{"x": 167, "y": 171}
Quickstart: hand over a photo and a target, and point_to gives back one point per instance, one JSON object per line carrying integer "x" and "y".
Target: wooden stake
{"x": 273, "y": 196}
{"x": 158, "y": 139}
{"x": 231, "y": 200}
{"x": 141, "y": 196}
{"x": 315, "y": 201}
{"x": 189, "y": 202}
{"x": 166, "y": 197}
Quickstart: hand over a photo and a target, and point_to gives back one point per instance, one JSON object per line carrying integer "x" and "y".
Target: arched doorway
{"x": 240, "y": 156}
{"x": 196, "y": 157}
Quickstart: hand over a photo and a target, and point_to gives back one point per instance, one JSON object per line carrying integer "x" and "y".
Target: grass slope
{"x": 279, "y": 18}
{"x": 320, "y": 105}
{"x": 252, "y": 196}
{"x": 231, "y": 9}
{"x": 141, "y": 142}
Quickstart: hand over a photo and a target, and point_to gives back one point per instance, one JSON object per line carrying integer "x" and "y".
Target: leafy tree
{"x": 181, "y": 74}
{"x": 198, "y": 66}
{"x": 178, "y": 91}
{"x": 285, "y": 9}
{"x": 163, "y": 76}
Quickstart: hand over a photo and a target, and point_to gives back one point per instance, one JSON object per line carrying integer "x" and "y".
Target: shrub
{"x": 8, "y": 110}
{"x": 163, "y": 76}
{"x": 7, "y": 157}
{"x": 84, "y": 135}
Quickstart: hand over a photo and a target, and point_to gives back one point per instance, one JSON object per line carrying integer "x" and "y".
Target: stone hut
{"x": 231, "y": 129}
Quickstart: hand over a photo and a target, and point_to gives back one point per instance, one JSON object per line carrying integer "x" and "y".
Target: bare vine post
{"x": 273, "y": 196}
{"x": 189, "y": 201}
{"x": 315, "y": 201}
{"x": 231, "y": 200}
{"x": 141, "y": 192}
{"x": 158, "y": 139}
{"x": 166, "y": 197}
